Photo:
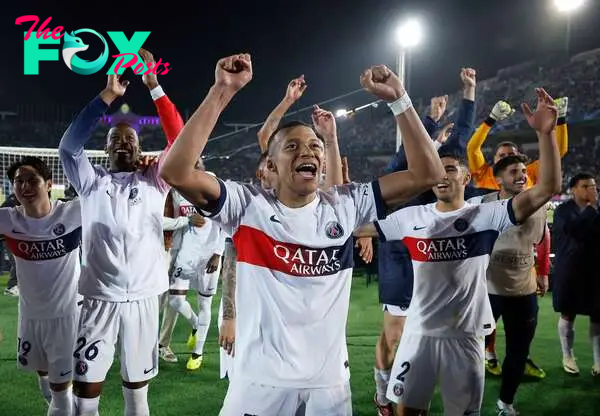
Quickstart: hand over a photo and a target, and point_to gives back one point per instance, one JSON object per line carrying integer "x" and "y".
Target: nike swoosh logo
{"x": 17, "y": 232}
{"x": 272, "y": 218}
{"x": 148, "y": 371}
{"x": 415, "y": 228}
{"x": 64, "y": 373}
{"x": 108, "y": 193}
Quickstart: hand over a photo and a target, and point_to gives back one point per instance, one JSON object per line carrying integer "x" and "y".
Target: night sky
{"x": 329, "y": 42}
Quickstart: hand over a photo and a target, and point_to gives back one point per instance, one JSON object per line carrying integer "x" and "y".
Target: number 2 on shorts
{"x": 405, "y": 369}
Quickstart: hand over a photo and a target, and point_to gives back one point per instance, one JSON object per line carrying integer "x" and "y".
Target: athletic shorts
{"x": 458, "y": 364}
{"x": 245, "y": 398}
{"x": 47, "y": 345}
{"x": 184, "y": 278}
{"x": 226, "y": 360}
{"x": 399, "y": 311}
{"x": 132, "y": 327}
{"x": 395, "y": 274}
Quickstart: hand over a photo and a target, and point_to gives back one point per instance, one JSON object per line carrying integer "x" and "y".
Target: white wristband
{"x": 400, "y": 105}
{"x": 157, "y": 92}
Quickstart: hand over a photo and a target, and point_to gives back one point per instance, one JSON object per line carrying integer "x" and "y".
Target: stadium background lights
{"x": 568, "y": 6}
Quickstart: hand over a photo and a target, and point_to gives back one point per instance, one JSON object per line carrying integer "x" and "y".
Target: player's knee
{"x": 86, "y": 390}
{"x": 60, "y": 386}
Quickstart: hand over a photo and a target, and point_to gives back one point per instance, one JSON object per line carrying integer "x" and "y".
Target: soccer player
{"x": 227, "y": 313}
{"x": 511, "y": 282}
{"x": 123, "y": 252}
{"x": 450, "y": 242}
{"x": 576, "y": 287}
{"x": 44, "y": 237}
{"x": 197, "y": 255}
{"x": 294, "y": 246}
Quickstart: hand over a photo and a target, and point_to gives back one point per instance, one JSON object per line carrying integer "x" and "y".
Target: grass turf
{"x": 177, "y": 392}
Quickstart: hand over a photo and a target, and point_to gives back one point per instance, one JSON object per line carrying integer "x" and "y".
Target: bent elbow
{"x": 170, "y": 175}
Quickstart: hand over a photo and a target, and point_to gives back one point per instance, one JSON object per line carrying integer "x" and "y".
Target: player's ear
{"x": 466, "y": 176}
{"x": 271, "y": 167}
{"x": 499, "y": 181}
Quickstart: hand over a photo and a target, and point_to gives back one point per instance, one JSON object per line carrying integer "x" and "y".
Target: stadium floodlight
{"x": 568, "y": 6}
{"x": 341, "y": 112}
{"x": 409, "y": 34}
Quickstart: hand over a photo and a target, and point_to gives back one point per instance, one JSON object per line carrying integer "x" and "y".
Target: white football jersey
{"x": 195, "y": 243}
{"x": 294, "y": 270}
{"x": 46, "y": 252}
{"x": 450, "y": 253}
{"x": 122, "y": 214}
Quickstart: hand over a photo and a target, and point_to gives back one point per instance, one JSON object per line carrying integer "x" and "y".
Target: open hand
{"x": 544, "y": 119}
{"x": 365, "y": 245}
{"x": 150, "y": 79}
{"x": 382, "y": 82}
{"x": 234, "y": 72}
{"x": 115, "y": 88}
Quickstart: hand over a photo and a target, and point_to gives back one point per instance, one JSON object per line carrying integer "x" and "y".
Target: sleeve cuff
{"x": 379, "y": 202}
{"x": 214, "y": 207}
{"x": 437, "y": 145}
{"x": 490, "y": 121}
{"x": 561, "y": 120}
{"x": 157, "y": 92}
{"x": 380, "y": 232}
{"x": 511, "y": 212}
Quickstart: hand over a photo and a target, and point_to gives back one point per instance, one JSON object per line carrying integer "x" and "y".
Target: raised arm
{"x": 324, "y": 124}
{"x": 424, "y": 166}
{"x": 543, "y": 121}
{"x": 77, "y": 167}
{"x": 293, "y": 93}
{"x": 170, "y": 119}
{"x": 465, "y": 119}
{"x": 177, "y": 169}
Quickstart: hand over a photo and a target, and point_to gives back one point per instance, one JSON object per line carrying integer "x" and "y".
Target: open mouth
{"x": 121, "y": 151}
{"x": 520, "y": 183}
{"x": 441, "y": 186}
{"x": 307, "y": 170}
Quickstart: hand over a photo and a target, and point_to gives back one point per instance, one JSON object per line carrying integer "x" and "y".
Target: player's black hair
{"x": 35, "y": 162}
{"x": 452, "y": 155}
{"x": 289, "y": 125}
{"x": 501, "y": 165}
{"x": 262, "y": 158}
{"x": 582, "y": 176}
{"x": 506, "y": 143}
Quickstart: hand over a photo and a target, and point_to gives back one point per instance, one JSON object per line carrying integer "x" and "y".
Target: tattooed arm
{"x": 227, "y": 330}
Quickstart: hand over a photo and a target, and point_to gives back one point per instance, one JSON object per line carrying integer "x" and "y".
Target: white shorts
{"x": 47, "y": 345}
{"x": 255, "y": 399}
{"x": 183, "y": 278}
{"x": 130, "y": 326}
{"x": 458, "y": 364}
{"x": 395, "y": 310}
{"x": 226, "y": 360}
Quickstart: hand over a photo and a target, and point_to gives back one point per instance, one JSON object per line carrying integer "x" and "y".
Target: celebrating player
{"x": 451, "y": 240}
{"x": 123, "y": 252}
{"x": 44, "y": 237}
{"x": 511, "y": 284}
{"x": 294, "y": 247}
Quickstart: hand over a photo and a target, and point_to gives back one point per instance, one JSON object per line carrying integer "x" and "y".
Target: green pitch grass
{"x": 179, "y": 393}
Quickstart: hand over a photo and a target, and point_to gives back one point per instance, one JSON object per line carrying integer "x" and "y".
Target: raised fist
{"x": 234, "y": 72}
{"x": 296, "y": 88}
{"x": 468, "y": 77}
{"x": 382, "y": 82}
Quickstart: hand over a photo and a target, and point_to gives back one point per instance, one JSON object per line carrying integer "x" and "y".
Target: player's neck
{"x": 115, "y": 168}
{"x": 39, "y": 209}
{"x": 292, "y": 200}
{"x": 450, "y": 206}
{"x": 503, "y": 194}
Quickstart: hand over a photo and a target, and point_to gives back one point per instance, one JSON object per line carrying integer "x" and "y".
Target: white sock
{"x": 595, "y": 338}
{"x": 181, "y": 305}
{"x": 86, "y": 407}
{"x": 382, "y": 378}
{"x": 136, "y": 401}
{"x": 203, "y": 323}
{"x": 45, "y": 388}
{"x": 491, "y": 355}
{"x": 502, "y": 405}
{"x": 566, "y": 332}
{"x": 169, "y": 319}
{"x": 62, "y": 403}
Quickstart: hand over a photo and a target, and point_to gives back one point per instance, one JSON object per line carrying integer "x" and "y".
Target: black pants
{"x": 519, "y": 314}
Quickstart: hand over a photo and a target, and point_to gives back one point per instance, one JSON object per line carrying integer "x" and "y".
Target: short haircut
{"x": 262, "y": 158}
{"x": 506, "y": 143}
{"x": 501, "y": 165}
{"x": 452, "y": 155}
{"x": 289, "y": 125}
{"x": 35, "y": 162}
{"x": 582, "y": 176}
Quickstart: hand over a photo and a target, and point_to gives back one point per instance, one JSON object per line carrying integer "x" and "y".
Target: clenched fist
{"x": 382, "y": 82}
{"x": 234, "y": 72}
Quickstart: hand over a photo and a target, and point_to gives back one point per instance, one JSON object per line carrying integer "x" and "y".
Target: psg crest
{"x": 59, "y": 229}
{"x": 334, "y": 230}
{"x": 398, "y": 389}
{"x": 81, "y": 368}
{"x": 461, "y": 225}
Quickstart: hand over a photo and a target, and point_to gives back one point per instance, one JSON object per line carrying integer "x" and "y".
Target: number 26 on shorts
{"x": 91, "y": 350}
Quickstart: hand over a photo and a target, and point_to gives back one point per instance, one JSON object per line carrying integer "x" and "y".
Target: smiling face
{"x": 456, "y": 178}
{"x": 513, "y": 179}
{"x": 30, "y": 187}
{"x": 123, "y": 147}
{"x": 295, "y": 160}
